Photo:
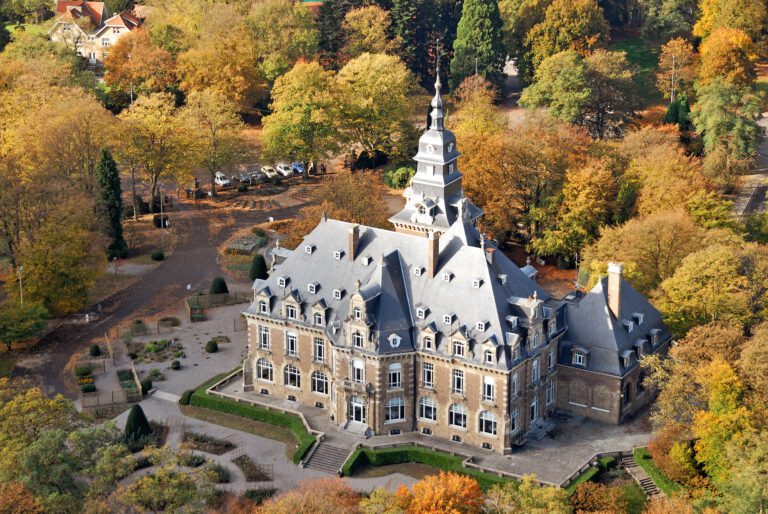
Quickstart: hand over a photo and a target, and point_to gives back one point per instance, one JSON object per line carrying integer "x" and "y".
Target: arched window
{"x": 319, "y": 383}
{"x": 292, "y": 376}
{"x": 394, "y": 410}
{"x": 264, "y": 370}
{"x": 487, "y": 423}
{"x": 319, "y": 319}
{"x": 428, "y": 409}
{"x": 394, "y": 376}
{"x": 263, "y": 307}
{"x": 358, "y": 371}
{"x": 358, "y": 314}
{"x": 357, "y": 340}
{"x": 457, "y": 416}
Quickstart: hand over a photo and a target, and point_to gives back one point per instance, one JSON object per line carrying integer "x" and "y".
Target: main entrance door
{"x": 356, "y": 409}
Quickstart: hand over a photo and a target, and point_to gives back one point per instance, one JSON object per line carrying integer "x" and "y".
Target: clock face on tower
{"x": 430, "y": 149}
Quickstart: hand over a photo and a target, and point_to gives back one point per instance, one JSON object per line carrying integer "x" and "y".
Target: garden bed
{"x": 252, "y": 471}
{"x": 207, "y": 444}
{"x": 85, "y": 380}
{"x": 156, "y": 351}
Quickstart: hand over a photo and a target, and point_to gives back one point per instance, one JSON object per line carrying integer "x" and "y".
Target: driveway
{"x": 750, "y": 195}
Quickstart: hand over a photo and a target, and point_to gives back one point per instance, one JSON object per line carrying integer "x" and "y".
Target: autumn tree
{"x": 577, "y": 25}
{"x": 382, "y": 501}
{"x": 749, "y": 16}
{"x": 593, "y": 497}
{"x": 330, "y": 17}
{"x": 753, "y": 366}
{"x": 135, "y": 62}
{"x": 215, "y": 133}
{"x": 728, "y": 54}
{"x": 676, "y": 72}
{"x": 153, "y": 139}
{"x": 21, "y": 323}
{"x": 109, "y": 205}
{"x": 478, "y": 46}
{"x": 302, "y": 124}
{"x": 282, "y": 32}
{"x": 446, "y": 492}
{"x": 15, "y": 498}
{"x": 475, "y": 116}
{"x": 519, "y": 17}
{"x": 666, "y": 19}
{"x": 321, "y": 495}
{"x": 529, "y": 497}
{"x": 373, "y": 105}
{"x": 745, "y": 487}
{"x": 367, "y": 30}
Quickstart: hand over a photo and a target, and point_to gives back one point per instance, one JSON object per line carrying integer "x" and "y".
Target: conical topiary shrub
{"x": 219, "y": 286}
{"x": 137, "y": 427}
{"x": 258, "y": 268}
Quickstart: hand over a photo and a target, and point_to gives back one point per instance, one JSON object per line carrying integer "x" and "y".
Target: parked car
{"x": 242, "y": 177}
{"x": 284, "y": 169}
{"x": 298, "y": 168}
{"x": 221, "y": 180}
{"x": 256, "y": 177}
{"x": 269, "y": 171}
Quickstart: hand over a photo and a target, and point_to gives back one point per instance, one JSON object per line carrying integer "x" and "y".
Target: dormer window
{"x": 319, "y": 319}
{"x": 358, "y": 314}
{"x": 312, "y": 288}
{"x": 447, "y": 319}
{"x": 421, "y": 313}
{"x": 422, "y": 209}
{"x": 357, "y": 340}
{"x": 488, "y": 357}
{"x": 628, "y": 325}
{"x": 476, "y": 283}
{"x": 290, "y": 311}
{"x": 337, "y": 293}
{"x": 552, "y": 326}
{"x": 579, "y": 359}
{"x": 481, "y": 326}
{"x": 338, "y": 254}
{"x": 502, "y": 278}
{"x": 309, "y": 249}
{"x": 367, "y": 260}
{"x": 263, "y": 307}
{"x": 459, "y": 349}
{"x": 427, "y": 342}
{"x": 447, "y": 276}
{"x": 534, "y": 340}
{"x": 282, "y": 281}
{"x": 418, "y": 270}
{"x": 394, "y": 340}
{"x": 638, "y": 317}
{"x": 628, "y": 361}
{"x": 655, "y": 337}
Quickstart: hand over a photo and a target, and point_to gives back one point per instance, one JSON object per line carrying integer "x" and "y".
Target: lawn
{"x": 28, "y": 27}
{"x": 643, "y": 459}
{"x": 645, "y": 56}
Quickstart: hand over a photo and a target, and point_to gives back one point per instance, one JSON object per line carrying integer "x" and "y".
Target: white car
{"x": 269, "y": 171}
{"x": 221, "y": 180}
{"x": 284, "y": 169}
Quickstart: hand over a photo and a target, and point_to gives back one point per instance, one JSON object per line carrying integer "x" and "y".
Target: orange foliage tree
{"x": 319, "y": 496}
{"x": 17, "y": 499}
{"x": 592, "y": 497}
{"x": 446, "y": 493}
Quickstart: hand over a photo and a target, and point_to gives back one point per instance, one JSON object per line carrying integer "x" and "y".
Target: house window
{"x": 513, "y": 421}
{"x": 534, "y": 409}
{"x": 417, "y": 271}
{"x": 476, "y": 283}
{"x": 422, "y": 209}
{"x": 309, "y": 249}
{"x": 457, "y": 384}
{"x": 480, "y": 325}
{"x": 337, "y": 294}
{"x": 488, "y": 389}
{"x": 292, "y": 345}
{"x": 427, "y": 343}
{"x": 290, "y": 311}
{"x": 550, "y": 392}
{"x": 428, "y": 409}
{"x": 104, "y": 41}
{"x": 534, "y": 340}
{"x": 420, "y": 313}
{"x": 487, "y": 423}
{"x": 457, "y": 416}
{"x": 447, "y": 318}
{"x": 281, "y": 281}
{"x": 394, "y": 410}
{"x": 115, "y": 30}
{"x": 263, "y": 338}
{"x": 357, "y": 340}
{"x": 264, "y": 370}
{"x": 551, "y": 360}
{"x": 358, "y": 314}
{"x": 292, "y": 376}
{"x": 312, "y": 288}
{"x": 263, "y": 307}
{"x": 488, "y": 357}
{"x": 638, "y": 317}
{"x": 458, "y": 348}
{"x": 446, "y": 277}
{"x": 552, "y": 326}
{"x": 394, "y": 376}
{"x": 337, "y": 255}
{"x": 428, "y": 374}
{"x": 319, "y": 319}
{"x": 319, "y": 383}
{"x": 358, "y": 371}
{"x": 536, "y": 372}
{"x": 515, "y": 386}
{"x": 579, "y": 359}
{"x": 319, "y": 345}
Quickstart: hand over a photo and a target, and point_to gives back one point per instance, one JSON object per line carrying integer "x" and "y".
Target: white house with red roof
{"x": 86, "y": 27}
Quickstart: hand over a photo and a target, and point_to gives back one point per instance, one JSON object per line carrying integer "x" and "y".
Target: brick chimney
{"x": 354, "y": 239}
{"x": 433, "y": 251}
{"x": 615, "y": 270}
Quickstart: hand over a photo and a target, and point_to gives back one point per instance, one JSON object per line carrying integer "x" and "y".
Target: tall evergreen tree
{"x": 329, "y": 20}
{"x": 110, "y": 204}
{"x": 406, "y": 23}
{"x": 479, "y": 43}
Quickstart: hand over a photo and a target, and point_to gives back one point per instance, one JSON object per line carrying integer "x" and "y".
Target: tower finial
{"x": 437, "y": 102}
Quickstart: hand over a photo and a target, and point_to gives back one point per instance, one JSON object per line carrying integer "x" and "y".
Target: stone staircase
{"x": 327, "y": 458}
{"x": 641, "y": 477}
{"x": 357, "y": 428}
{"x": 539, "y": 429}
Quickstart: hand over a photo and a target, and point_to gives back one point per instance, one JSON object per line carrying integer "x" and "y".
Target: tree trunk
{"x": 135, "y": 198}
{"x": 213, "y": 183}
{"x": 152, "y": 194}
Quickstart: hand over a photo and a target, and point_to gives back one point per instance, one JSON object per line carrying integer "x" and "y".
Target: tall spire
{"x": 437, "y": 102}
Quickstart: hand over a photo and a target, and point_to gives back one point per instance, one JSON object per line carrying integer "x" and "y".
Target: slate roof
{"x": 383, "y": 274}
{"x": 593, "y": 327}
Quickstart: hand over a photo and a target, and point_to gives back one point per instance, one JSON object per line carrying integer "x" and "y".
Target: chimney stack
{"x": 354, "y": 238}
{"x": 433, "y": 250}
{"x": 615, "y": 270}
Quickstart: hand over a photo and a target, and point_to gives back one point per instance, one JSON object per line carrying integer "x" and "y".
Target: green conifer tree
{"x": 479, "y": 44}
{"x": 671, "y": 116}
{"x": 684, "y": 113}
{"x": 258, "y": 268}
{"x": 329, "y": 25}
{"x": 406, "y": 24}
{"x": 219, "y": 286}
{"x": 109, "y": 204}
{"x": 137, "y": 426}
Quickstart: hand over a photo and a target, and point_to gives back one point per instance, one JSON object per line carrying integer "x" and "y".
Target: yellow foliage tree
{"x": 319, "y": 496}
{"x": 446, "y": 493}
{"x": 730, "y": 54}
{"x": 367, "y": 31}
{"x": 749, "y": 16}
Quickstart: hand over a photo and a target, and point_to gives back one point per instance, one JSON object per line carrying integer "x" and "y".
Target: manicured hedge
{"x": 588, "y": 475}
{"x": 402, "y": 454}
{"x": 289, "y": 421}
{"x": 644, "y": 460}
